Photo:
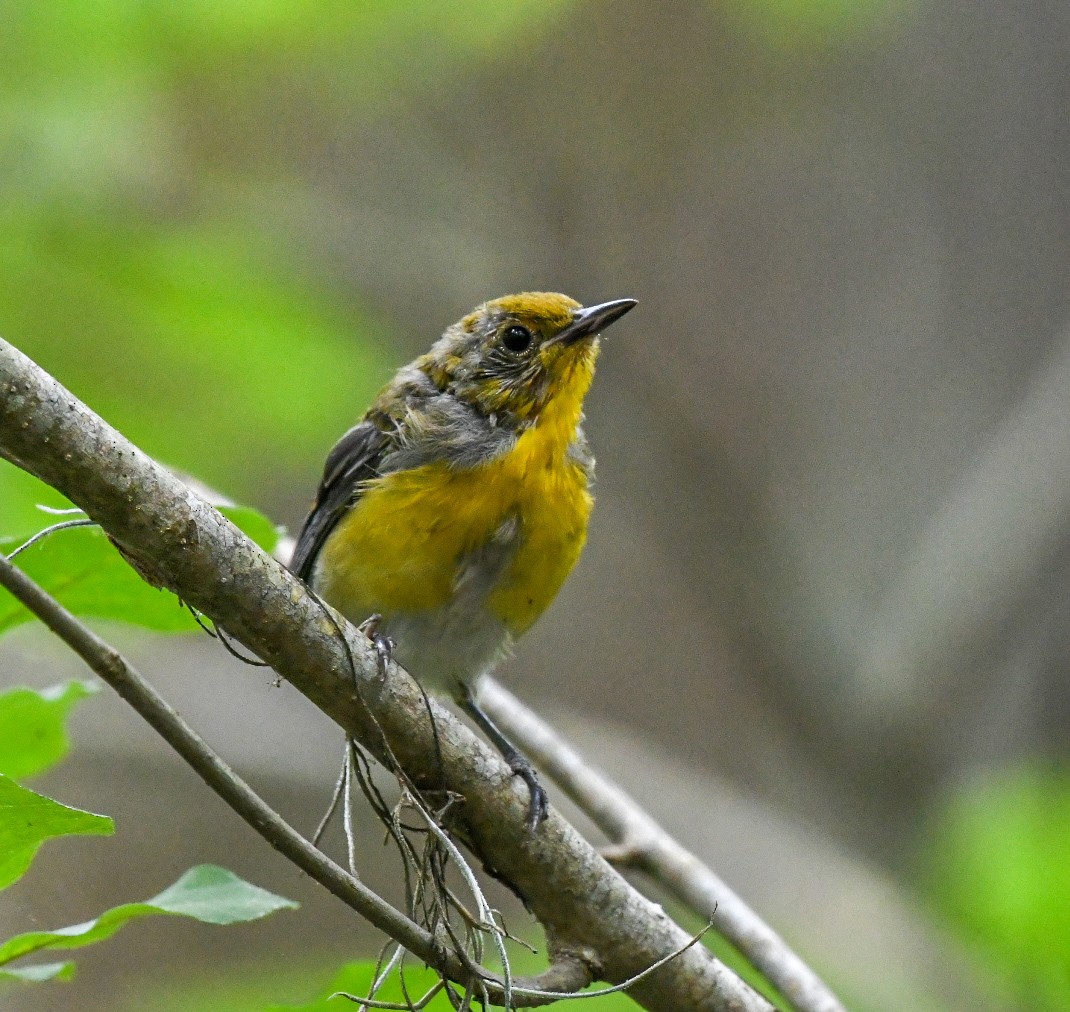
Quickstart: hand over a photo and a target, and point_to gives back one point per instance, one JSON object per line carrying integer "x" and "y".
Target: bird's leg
{"x": 384, "y": 645}
{"x": 517, "y": 761}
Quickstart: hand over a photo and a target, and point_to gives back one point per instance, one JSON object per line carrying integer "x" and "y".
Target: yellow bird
{"x": 456, "y": 508}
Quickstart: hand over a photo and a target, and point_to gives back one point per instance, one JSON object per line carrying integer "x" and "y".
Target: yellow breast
{"x": 402, "y": 545}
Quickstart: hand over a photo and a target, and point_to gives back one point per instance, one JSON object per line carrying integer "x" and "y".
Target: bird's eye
{"x": 517, "y": 339}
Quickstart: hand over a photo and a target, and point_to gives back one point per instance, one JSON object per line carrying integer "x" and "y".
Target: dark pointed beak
{"x": 593, "y": 320}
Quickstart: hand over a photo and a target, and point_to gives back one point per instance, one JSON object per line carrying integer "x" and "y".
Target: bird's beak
{"x": 592, "y": 320}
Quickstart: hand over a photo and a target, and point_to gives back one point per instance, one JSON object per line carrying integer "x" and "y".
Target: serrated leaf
{"x": 206, "y": 893}
{"x": 38, "y": 973}
{"x": 86, "y": 573}
{"x": 28, "y": 819}
{"x": 218, "y": 896}
{"x": 33, "y": 733}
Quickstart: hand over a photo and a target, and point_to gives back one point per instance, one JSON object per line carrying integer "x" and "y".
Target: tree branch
{"x": 177, "y": 541}
{"x": 641, "y": 843}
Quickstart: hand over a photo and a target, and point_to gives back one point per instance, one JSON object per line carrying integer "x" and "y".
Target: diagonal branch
{"x": 177, "y": 541}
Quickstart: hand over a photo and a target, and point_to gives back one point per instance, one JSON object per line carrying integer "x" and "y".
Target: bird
{"x": 449, "y": 517}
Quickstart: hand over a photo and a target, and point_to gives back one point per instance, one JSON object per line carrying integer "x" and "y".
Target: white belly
{"x": 451, "y": 645}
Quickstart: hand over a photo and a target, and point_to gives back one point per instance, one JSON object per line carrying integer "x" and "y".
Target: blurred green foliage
{"x": 230, "y": 995}
{"x": 997, "y": 867}
{"x": 20, "y": 496}
{"x": 95, "y": 97}
{"x": 190, "y": 347}
{"x": 142, "y": 270}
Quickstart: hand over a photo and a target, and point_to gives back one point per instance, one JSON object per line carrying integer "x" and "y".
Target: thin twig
{"x": 332, "y": 807}
{"x": 623, "y": 985}
{"x": 63, "y": 525}
{"x": 347, "y": 811}
{"x": 643, "y": 844}
{"x": 56, "y": 511}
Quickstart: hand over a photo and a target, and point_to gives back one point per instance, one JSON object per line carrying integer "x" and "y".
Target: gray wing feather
{"x": 354, "y": 459}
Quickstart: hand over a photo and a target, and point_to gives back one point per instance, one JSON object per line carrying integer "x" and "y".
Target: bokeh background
{"x": 821, "y": 623}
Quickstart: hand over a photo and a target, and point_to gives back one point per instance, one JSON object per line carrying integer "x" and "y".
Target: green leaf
{"x": 33, "y": 734}
{"x": 28, "y": 819}
{"x": 206, "y": 893}
{"x": 40, "y": 972}
{"x": 86, "y": 573}
{"x": 216, "y": 896}
{"x": 88, "y": 576}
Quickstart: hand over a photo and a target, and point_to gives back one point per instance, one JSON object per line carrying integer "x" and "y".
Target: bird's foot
{"x": 519, "y": 763}
{"x": 384, "y": 645}
{"x": 539, "y": 805}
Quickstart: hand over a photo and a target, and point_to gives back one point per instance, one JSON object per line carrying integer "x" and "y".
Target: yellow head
{"x": 520, "y": 355}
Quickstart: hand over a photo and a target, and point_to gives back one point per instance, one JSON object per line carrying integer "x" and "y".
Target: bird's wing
{"x": 354, "y": 459}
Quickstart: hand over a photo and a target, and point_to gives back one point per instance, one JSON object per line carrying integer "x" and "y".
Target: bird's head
{"x": 520, "y": 355}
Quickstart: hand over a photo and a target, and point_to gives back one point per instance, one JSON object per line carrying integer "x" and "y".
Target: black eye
{"x": 517, "y": 339}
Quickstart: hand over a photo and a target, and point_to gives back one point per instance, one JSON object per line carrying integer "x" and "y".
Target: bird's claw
{"x": 384, "y": 645}
{"x": 539, "y": 805}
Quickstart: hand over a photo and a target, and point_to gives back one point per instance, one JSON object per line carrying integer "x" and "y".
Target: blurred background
{"x": 821, "y": 622}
